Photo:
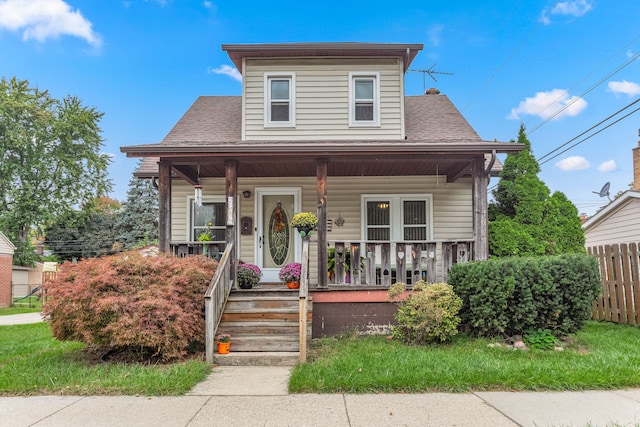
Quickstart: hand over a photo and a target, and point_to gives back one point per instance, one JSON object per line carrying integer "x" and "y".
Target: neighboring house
{"x": 326, "y": 128}
{"x": 7, "y": 248}
{"x": 619, "y": 221}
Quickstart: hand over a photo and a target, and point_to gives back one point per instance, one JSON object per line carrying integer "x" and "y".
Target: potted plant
{"x": 205, "y": 236}
{"x": 248, "y": 275}
{"x": 305, "y": 222}
{"x": 224, "y": 343}
{"x": 290, "y": 274}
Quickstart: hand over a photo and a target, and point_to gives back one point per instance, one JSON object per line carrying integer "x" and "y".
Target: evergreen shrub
{"x": 150, "y": 305}
{"x": 513, "y": 295}
{"x": 428, "y": 313}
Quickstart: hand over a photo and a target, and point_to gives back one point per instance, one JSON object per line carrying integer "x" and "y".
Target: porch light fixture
{"x": 198, "y": 195}
{"x": 246, "y": 194}
{"x": 198, "y": 190}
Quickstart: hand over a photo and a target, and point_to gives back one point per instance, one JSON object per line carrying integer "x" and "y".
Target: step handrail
{"x": 215, "y": 299}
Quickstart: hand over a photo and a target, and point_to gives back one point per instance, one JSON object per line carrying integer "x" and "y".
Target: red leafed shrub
{"x": 150, "y": 305}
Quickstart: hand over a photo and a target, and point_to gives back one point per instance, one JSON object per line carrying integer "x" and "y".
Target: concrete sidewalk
{"x": 20, "y": 319}
{"x": 257, "y": 396}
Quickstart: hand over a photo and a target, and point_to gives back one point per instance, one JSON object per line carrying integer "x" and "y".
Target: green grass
{"x": 602, "y": 356}
{"x": 33, "y": 363}
{"x": 30, "y": 304}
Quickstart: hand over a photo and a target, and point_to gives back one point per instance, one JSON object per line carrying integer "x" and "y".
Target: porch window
{"x": 397, "y": 217}
{"x": 364, "y": 99}
{"x": 209, "y": 218}
{"x": 279, "y": 108}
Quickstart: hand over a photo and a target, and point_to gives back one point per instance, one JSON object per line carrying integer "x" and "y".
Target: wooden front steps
{"x": 264, "y": 326}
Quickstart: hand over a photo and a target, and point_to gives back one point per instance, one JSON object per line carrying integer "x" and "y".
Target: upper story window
{"x": 279, "y": 101}
{"x": 364, "y": 99}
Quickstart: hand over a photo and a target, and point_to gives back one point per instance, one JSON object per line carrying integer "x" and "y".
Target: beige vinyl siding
{"x": 322, "y": 99}
{"x": 620, "y": 226}
{"x": 6, "y": 247}
{"x": 452, "y": 206}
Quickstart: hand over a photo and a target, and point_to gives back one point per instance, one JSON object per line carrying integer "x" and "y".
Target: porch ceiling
{"x": 187, "y": 168}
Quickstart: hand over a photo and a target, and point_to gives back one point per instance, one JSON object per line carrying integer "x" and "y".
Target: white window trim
{"x": 291, "y": 76}
{"x": 376, "y": 100}
{"x": 190, "y": 201}
{"x": 396, "y": 218}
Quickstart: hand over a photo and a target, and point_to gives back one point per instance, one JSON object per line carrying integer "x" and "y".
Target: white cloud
{"x": 434, "y": 34}
{"x": 628, "y": 88}
{"x": 228, "y": 71}
{"x": 43, "y": 19}
{"x": 553, "y": 104}
{"x": 575, "y": 8}
{"x": 573, "y": 163}
{"x": 608, "y": 166}
{"x": 207, "y": 4}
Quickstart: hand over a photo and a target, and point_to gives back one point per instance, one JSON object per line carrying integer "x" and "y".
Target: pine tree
{"x": 138, "y": 223}
{"x": 524, "y": 220}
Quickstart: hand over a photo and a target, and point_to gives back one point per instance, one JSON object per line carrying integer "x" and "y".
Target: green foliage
{"x": 51, "y": 157}
{"x": 84, "y": 234}
{"x": 137, "y": 224}
{"x": 514, "y": 295}
{"x": 524, "y": 220}
{"x": 540, "y": 339}
{"x": 426, "y": 314}
{"x": 127, "y": 301}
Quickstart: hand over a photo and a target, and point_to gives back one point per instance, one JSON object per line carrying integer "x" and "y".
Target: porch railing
{"x": 213, "y": 249}
{"x": 215, "y": 299}
{"x": 385, "y": 263}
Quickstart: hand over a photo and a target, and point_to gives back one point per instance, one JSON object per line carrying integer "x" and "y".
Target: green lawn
{"x": 602, "y": 356}
{"x": 33, "y": 363}
{"x": 30, "y": 304}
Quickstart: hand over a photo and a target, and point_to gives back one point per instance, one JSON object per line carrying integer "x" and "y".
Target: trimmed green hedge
{"x": 513, "y": 295}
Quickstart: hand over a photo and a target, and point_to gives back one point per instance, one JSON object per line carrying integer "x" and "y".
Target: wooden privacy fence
{"x": 620, "y": 272}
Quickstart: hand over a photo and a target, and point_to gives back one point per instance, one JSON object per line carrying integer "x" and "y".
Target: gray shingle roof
{"x": 216, "y": 119}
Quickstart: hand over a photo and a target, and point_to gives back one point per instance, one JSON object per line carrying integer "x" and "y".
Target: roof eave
{"x": 306, "y": 148}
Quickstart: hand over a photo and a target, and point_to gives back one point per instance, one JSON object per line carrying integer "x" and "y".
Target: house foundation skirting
{"x": 363, "y": 311}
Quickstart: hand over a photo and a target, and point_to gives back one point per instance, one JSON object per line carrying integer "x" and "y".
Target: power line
{"x": 592, "y": 135}
{"x": 591, "y": 128}
{"x": 627, "y": 62}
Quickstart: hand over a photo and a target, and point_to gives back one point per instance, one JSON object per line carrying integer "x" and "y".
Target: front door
{"x": 276, "y": 242}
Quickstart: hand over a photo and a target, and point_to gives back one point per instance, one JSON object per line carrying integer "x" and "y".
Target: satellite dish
{"x": 604, "y": 191}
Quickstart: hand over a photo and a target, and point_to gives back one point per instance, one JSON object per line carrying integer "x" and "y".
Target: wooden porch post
{"x": 231, "y": 192}
{"x": 321, "y": 184}
{"x": 164, "y": 205}
{"x": 480, "y": 213}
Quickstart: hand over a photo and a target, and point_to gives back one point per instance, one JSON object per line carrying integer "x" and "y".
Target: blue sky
{"x": 559, "y": 67}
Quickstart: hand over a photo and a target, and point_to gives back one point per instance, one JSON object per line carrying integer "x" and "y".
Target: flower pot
{"x": 223, "y": 347}
{"x": 304, "y": 230}
{"x": 245, "y": 285}
{"x": 293, "y": 284}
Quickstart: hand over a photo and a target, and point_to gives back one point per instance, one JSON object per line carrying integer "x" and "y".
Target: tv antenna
{"x": 430, "y": 71}
{"x": 604, "y": 191}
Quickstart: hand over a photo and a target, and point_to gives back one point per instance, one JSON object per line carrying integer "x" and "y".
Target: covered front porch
{"x": 318, "y": 174}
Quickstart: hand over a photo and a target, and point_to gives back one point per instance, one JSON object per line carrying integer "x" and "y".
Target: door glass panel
{"x": 277, "y": 250}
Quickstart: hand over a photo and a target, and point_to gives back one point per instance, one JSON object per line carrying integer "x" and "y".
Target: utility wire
{"x": 575, "y": 99}
{"x": 592, "y": 135}
{"x": 583, "y": 79}
{"x": 588, "y": 130}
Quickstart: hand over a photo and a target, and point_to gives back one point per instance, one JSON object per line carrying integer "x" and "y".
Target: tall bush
{"x": 513, "y": 295}
{"x": 126, "y": 301}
